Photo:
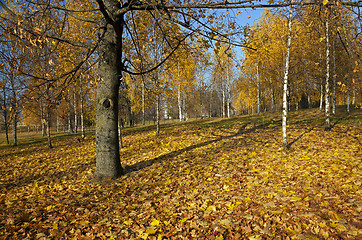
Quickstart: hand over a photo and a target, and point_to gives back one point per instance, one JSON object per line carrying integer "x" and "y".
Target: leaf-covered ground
{"x": 207, "y": 179}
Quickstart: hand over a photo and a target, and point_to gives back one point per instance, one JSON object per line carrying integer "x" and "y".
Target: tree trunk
{"x": 5, "y": 113}
{"x": 327, "y": 112}
{"x": 334, "y": 81}
{"x": 179, "y": 102}
{"x": 285, "y": 85}
{"x": 258, "y": 86}
{"x": 42, "y": 119}
{"x": 143, "y": 102}
{"x": 75, "y": 111}
{"x": 158, "y": 115}
{"x": 223, "y": 101}
{"x": 321, "y": 101}
{"x": 347, "y": 99}
{"x": 48, "y": 127}
{"x": 70, "y": 127}
{"x": 15, "y": 126}
{"x": 108, "y": 165}
{"x": 81, "y": 109}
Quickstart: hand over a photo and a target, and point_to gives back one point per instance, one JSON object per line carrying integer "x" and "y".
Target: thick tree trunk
{"x": 285, "y": 84}
{"x": 327, "y": 112}
{"x": 108, "y": 165}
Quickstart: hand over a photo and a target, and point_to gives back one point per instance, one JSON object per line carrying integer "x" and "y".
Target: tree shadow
{"x": 299, "y": 137}
{"x": 147, "y": 163}
{"x": 46, "y": 177}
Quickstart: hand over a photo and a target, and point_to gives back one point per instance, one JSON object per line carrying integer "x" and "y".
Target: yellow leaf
{"x": 325, "y": 2}
{"x": 211, "y": 208}
{"x": 150, "y": 231}
{"x": 128, "y": 222}
{"x": 219, "y": 237}
{"x": 295, "y": 199}
{"x": 55, "y": 226}
{"x": 155, "y": 222}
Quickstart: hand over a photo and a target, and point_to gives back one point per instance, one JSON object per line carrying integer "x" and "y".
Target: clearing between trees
{"x": 205, "y": 179}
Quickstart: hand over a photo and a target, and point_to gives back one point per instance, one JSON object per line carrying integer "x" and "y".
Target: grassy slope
{"x": 205, "y": 179}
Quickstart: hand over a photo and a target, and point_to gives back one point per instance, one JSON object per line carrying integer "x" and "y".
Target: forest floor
{"x": 205, "y": 179}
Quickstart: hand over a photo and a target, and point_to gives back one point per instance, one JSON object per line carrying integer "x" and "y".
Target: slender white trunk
{"x": 81, "y": 109}
{"x": 143, "y": 103}
{"x": 158, "y": 115}
{"x": 347, "y": 99}
{"x": 228, "y": 92}
{"x": 179, "y": 102}
{"x": 57, "y": 123}
{"x": 353, "y": 92}
{"x": 223, "y": 102}
{"x": 321, "y": 101}
{"x": 75, "y": 112}
{"x": 334, "y": 81}
{"x": 258, "y": 86}
{"x": 285, "y": 85}
{"x": 327, "y": 112}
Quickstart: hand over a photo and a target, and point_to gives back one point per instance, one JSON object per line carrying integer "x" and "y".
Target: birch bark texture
{"x": 285, "y": 82}
{"x": 327, "y": 109}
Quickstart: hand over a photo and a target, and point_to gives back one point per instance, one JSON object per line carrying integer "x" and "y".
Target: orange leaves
{"x": 198, "y": 181}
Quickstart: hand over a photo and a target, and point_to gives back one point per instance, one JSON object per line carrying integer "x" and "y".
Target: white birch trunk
{"x": 75, "y": 112}
{"x": 321, "y": 101}
{"x": 223, "y": 102}
{"x": 143, "y": 103}
{"x": 285, "y": 84}
{"x": 258, "y": 86}
{"x": 327, "y": 112}
{"x": 347, "y": 99}
{"x": 334, "y": 81}
{"x": 81, "y": 110}
{"x": 179, "y": 102}
{"x": 158, "y": 115}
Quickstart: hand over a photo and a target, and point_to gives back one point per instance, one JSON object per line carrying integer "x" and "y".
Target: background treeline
{"x": 47, "y": 82}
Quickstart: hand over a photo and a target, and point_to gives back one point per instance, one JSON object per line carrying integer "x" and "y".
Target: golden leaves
{"x": 202, "y": 186}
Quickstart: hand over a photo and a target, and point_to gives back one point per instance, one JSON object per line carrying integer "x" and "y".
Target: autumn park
{"x": 180, "y": 119}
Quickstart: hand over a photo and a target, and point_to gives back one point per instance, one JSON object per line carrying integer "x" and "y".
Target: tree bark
{"x": 327, "y": 112}
{"x": 179, "y": 102}
{"x": 48, "y": 127}
{"x": 334, "y": 80}
{"x": 348, "y": 99}
{"x": 285, "y": 85}
{"x": 321, "y": 101}
{"x": 108, "y": 165}
{"x": 75, "y": 111}
{"x": 5, "y": 113}
{"x": 81, "y": 109}
{"x": 158, "y": 115}
{"x": 258, "y": 86}
{"x": 143, "y": 102}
